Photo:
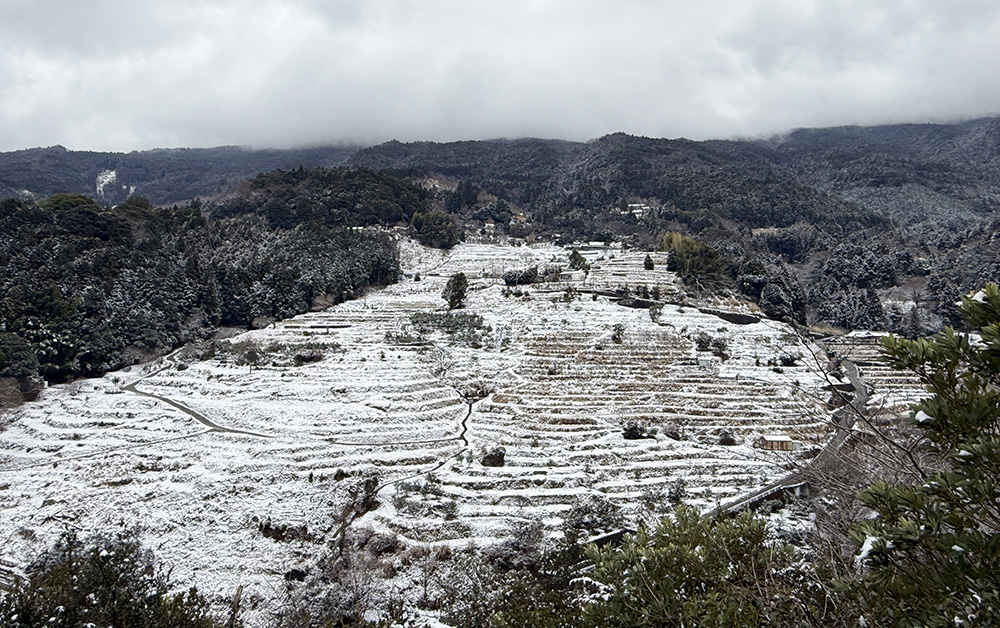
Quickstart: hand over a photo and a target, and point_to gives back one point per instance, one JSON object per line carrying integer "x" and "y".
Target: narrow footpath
{"x": 197, "y": 416}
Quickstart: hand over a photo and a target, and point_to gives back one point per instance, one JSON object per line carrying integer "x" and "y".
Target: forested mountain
{"x": 917, "y": 174}
{"x": 164, "y": 176}
{"x": 353, "y": 197}
{"x": 859, "y": 227}
{"x": 854, "y": 226}
{"x": 913, "y": 174}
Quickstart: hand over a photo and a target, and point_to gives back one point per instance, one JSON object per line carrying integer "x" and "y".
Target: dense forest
{"x": 85, "y": 289}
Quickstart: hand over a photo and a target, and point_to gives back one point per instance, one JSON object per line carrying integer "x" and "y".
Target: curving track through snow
{"x": 211, "y": 425}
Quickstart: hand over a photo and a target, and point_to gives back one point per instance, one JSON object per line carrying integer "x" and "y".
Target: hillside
{"x": 84, "y": 289}
{"x": 913, "y": 174}
{"x": 164, "y": 176}
{"x": 916, "y": 174}
{"x": 899, "y": 217}
{"x": 858, "y": 227}
{"x": 243, "y": 459}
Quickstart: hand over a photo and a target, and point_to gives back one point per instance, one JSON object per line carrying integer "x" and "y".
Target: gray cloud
{"x": 111, "y": 75}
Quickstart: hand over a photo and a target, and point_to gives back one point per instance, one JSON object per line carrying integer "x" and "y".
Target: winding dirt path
{"x": 338, "y": 536}
{"x": 465, "y": 428}
{"x": 201, "y": 418}
{"x": 215, "y": 427}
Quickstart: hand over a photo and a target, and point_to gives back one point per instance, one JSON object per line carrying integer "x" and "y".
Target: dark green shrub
{"x": 106, "y": 581}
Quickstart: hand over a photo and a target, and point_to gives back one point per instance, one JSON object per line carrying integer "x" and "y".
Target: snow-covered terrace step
{"x": 582, "y": 414}
{"x": 639, "y": 485}
{"x": 478, "y": 495}
{"x": 658, "y": 415}
{"x": 434, "y": 530}
{"x": 654, "y": 390}
{"x": 542, "y": 399}
{"x": 424, "y": 406}
{"x": 587, "y": 354}
{"x": 887, "y": 372}
{"x": 585, "y": 370}
{"x": 429, "y": 395}
{"x": 563, "y": 336}
{"x": 563, "y": 426}
{"x": 549, "y": 432}
{"x": 860, "y": 349}
{"x": 352, "y": 317}
{"x": 558, "y": 348}
{"x": 495, "y": 490}
{"x": 536, "y": 440}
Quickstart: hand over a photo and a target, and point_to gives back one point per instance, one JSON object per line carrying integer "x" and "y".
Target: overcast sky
{"x": 131, "y": 75}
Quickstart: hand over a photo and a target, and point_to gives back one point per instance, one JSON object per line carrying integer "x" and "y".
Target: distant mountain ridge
{"x": 910, "y": 173}
{"x": 858, "y": 227}
{"x": 945, "y": 172}
{"x": 164, "y": 176}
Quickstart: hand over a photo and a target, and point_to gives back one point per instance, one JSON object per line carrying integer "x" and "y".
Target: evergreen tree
{"x": 435, "y": 229}
{"x": 454, "y": 290}
{"x": 932, "y": 555}
{"x": 698, "y": 264}
{"x": 695, "y": 571}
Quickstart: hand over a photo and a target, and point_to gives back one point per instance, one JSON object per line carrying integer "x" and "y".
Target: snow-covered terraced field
{"x": 625, "y": 268}
{"x": 892, "y": 391}
{"x": 552, "y": 381}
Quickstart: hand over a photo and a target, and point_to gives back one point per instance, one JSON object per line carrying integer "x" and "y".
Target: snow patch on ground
{"x": 104, "y": 179}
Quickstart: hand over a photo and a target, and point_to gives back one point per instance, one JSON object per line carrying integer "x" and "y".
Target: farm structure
{"x": 777, "y": 442}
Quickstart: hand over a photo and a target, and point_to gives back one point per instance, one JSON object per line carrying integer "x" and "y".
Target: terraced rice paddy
{"x": 552, "y": 377}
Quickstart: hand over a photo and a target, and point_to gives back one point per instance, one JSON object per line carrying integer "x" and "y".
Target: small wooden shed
{"x": 777, "y": 442}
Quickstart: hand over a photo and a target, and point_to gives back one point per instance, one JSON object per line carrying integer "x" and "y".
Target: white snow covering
{"x": 866, "y": 549}
{"x": 104, "y": 179}
{"x": 92, "y": 457}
